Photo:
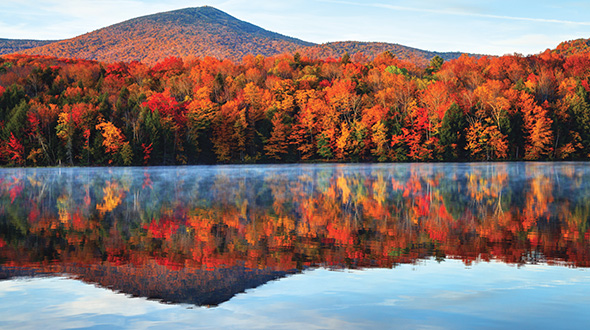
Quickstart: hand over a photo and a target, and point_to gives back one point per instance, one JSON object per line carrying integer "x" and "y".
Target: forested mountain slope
{"x": 194, "y": 32}
{"x": 8, "y": 46}
{"x": 205, "y": 31}
{"x": 572, "y": 47}
{"x": 372, "y": 49}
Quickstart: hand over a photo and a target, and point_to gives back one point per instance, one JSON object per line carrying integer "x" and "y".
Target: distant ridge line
{"x": 199, "y": 32}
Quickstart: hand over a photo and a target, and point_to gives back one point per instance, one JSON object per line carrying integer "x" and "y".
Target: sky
{"x": 428, "y": 294}
{"x": 494, "y": 27}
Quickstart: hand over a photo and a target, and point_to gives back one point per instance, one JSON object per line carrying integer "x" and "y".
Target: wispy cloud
{"x": 456, "y": 12}
{"x": 495, "y": 26}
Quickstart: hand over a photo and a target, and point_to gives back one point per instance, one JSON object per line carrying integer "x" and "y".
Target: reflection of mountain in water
{"x": 7, "y": 273}
{"x": 184, "y": 286}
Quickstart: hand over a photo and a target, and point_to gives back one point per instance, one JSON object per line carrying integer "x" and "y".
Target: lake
{"x": 465, "y": 245}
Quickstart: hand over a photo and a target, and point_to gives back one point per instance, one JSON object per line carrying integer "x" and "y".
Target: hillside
{"x": 372, "y": 49}
{"x": 202, "y": 31}
{"x": 8, "y": 46}
{"x": 572, "y": 47}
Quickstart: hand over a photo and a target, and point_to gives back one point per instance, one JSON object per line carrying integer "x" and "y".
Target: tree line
{"x": 290, "y": 108}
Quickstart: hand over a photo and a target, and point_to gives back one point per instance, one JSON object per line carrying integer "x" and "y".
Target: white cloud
{"x": 462, "y": 12}
{"x": 491, "y": 27}
{"x": 54, "y": 19}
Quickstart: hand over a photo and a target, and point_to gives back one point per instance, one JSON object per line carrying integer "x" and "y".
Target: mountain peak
{"x": 192, "y": 15}
{"x": 198, "y": 13}
{"x": 196, "y": 31}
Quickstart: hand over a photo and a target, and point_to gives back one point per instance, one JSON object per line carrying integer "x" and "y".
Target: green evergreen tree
{"x": 12, "y": 96}
{"x": 452, "y": 133}
{"x": 434, "y": 65}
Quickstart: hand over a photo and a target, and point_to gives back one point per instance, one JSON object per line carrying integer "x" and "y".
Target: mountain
{"x": 372, "y": 49}
{"x": 179, "y": 286}
{"x": 202, "y": 31}
{"x": 8, "y": 46}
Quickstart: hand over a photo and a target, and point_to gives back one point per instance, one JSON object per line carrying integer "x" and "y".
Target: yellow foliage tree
{"x": 114, "y": 141}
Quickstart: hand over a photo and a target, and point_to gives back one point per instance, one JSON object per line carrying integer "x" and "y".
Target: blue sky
{"x": 428, "y": 294}
{"x": 484, "y": 26}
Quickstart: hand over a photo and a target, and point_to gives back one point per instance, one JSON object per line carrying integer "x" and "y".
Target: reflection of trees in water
{"x": 291, "y": 217}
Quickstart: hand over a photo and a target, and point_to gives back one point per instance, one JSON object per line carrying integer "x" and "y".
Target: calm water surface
{"x": 296, "y": 246}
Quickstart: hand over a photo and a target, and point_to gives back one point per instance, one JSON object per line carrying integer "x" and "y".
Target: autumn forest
{"x": 290, "y": 108}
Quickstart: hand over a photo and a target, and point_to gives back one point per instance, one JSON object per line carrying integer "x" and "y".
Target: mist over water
{"x": 203, "y": 235}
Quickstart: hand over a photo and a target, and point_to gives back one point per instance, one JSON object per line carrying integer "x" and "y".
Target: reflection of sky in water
{"x": 426, "y": 295}
{"x": 328, "y": 215}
